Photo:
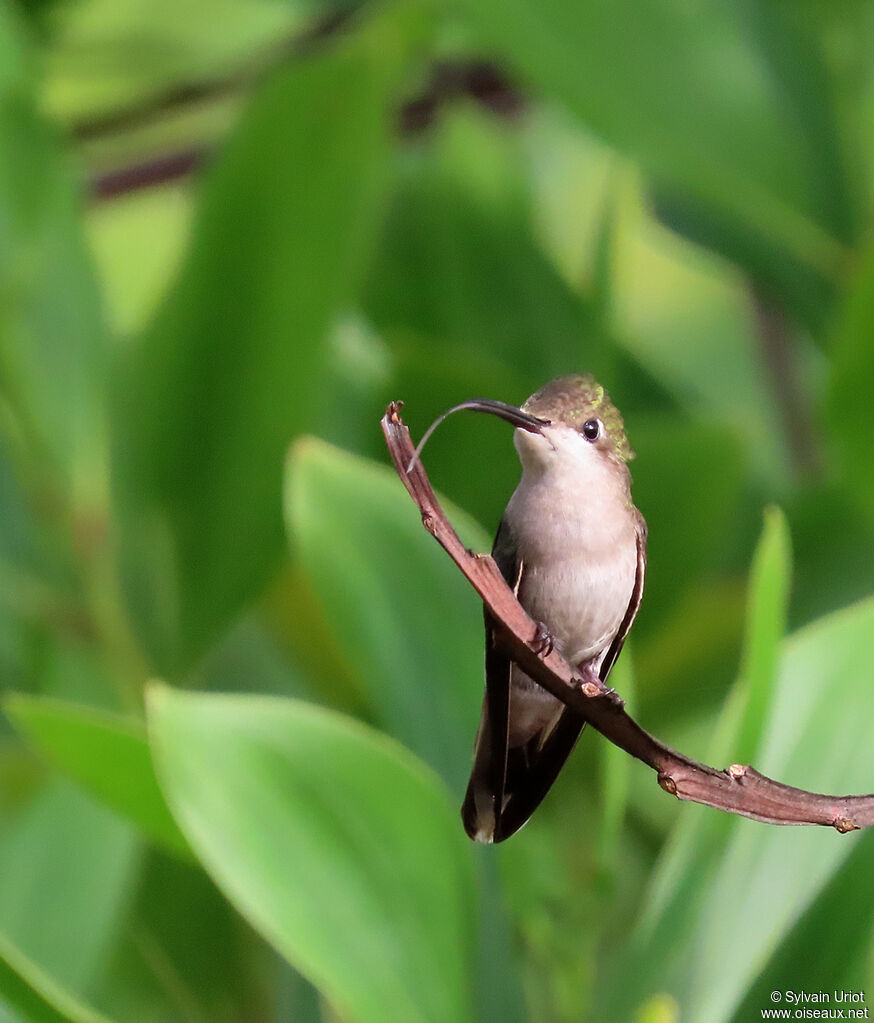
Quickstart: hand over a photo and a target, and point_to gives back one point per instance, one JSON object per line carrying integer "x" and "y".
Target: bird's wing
{"x": 485, "y": 791}
{"x": 507, "y": 784}
{"x": 633, "y": 605}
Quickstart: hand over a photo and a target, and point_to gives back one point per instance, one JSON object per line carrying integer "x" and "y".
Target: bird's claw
{"x": 614, "y": 697}
{"x": 592, "y": 686}
{"x": 543, "y": 642}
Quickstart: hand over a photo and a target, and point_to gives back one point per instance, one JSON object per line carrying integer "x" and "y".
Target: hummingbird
{"x": 572, "y": 547}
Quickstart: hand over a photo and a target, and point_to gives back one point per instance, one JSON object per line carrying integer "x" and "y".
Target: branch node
{"x": 592, "y": 686}
{"x": 844, "y": 825}
{"x": 668, "y": 784}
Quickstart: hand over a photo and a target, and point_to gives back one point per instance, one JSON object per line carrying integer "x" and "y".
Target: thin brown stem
{"x": 478, "y": 80}
{"x": 776, "y": 346}
{"x": 184, "y": 95}
{"x": 163, "y": 170}
{"x": 738, "y": 789}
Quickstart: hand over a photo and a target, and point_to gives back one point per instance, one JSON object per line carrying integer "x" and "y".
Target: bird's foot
{"x": 543, "y": 642}
{"x": 592, "y": 686}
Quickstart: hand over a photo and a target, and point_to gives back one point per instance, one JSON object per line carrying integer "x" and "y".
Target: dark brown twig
{"x": 163, "y": 170}
{"x": 774, "y": 335}
{"x": 477, "y": 79}
{"x": 738, "y": 789}
{"x": 237, "y": 80}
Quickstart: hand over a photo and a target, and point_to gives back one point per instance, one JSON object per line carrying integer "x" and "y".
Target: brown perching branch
{"x": 738, "y": 789}
{"x": 477, "y": 79}
{"x": 777, "y": 348}
{"x": 163, "y": 170}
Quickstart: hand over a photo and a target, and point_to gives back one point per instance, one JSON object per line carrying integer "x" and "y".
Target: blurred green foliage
{"x": 428, "y": 202}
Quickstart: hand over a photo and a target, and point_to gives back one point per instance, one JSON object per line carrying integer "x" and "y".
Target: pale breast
{"x": 579, "y": 563}
{"x": 582, "y": 601}
{"x": 574, "y": 532}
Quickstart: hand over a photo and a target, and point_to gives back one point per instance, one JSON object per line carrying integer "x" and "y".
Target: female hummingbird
{"x": 572, "y": 546}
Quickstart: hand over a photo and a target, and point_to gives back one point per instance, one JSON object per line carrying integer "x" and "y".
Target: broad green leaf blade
{"x": 469, "y": 304}
{"x": 685, "y": 868}
{"x": 52, "y": 344}
{"x": 842, "y": 962}
{"x": 794, "y": 47}
{"x": 182, "y": 45}
{"x": 686, "y": 89}
{"x": 178, "y": 916}
{"x": 765, "y": 878}
{"x": 66, "y": 868}
{"x": 749, "y": 706}
{"x": 615, "y": 769}
{"x": 411, "y": 628}
{"x": 702, "y": 462}
{"x": 500, "y": 994}
{"x": 684, "y": 314}
{"x": 28, "y": 990}
{"x": 819, "y": 739}
{"x": 459, "y": 263}
{"x": 106, "y": 754}
{"x": 411, "y": 624}
{"x": 231, "y": 368}
{"x": 333, "y": 841}
{"x": 851, "y": 411}
{"x": 15, "y": 62}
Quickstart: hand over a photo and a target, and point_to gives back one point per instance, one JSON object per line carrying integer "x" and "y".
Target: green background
{"x": 241, "y": 683}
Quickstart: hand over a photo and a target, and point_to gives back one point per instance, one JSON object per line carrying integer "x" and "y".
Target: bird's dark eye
{"x": 592, "y": 429}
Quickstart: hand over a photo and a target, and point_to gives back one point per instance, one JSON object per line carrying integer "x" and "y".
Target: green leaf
{"x": 688, "y": 90}
{"x": 818, "y": 739}
{"x": 795, "y": 49}
{"x": 842, "y": 962}
{"x": 409, "y": 622}
{"x": 411, "y": 629}
{"x": 703, "y": 462}
{"x": 66, "y": 868}
{"x": 52, "y": 344}
{"x": 763, "y": 879}
{"x": 106, "y": 754}
{"x": 690, "y": 855}
{"x": 468, "y": 303}
{"x": 333, "y": 841}
{"x": 459, "y": 264}
{"x": 27, "y": 989}
{"x": 14, "y": 60}
{"x": 684, "y": 314}
{"x": 615, "y": 772}
{"x": 231, "y": 368}
{"x": 851, "y": 412}
{"x": 185, "y": 953}
{"x": 749, "y": 706}
{"x": 145, "y": 53}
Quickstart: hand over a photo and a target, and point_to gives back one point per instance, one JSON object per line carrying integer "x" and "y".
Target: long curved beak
{"x": 501, "y": 409}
